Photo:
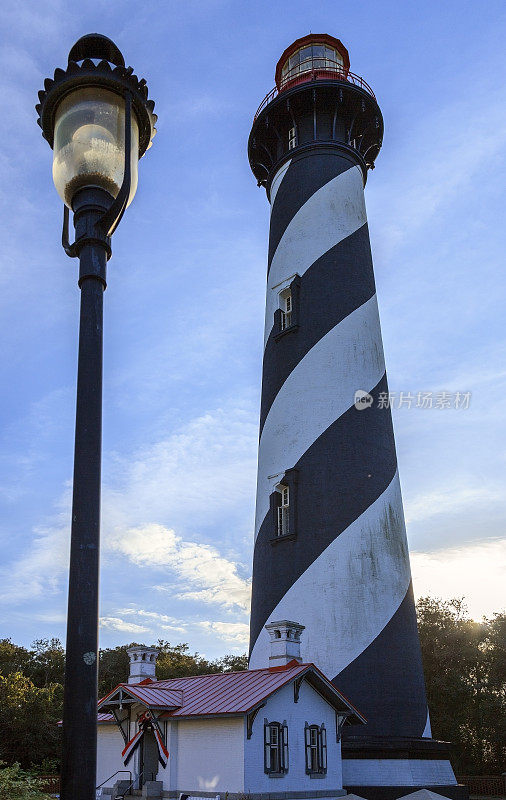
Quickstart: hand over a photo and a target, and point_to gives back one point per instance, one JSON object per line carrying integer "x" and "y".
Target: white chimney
{"x": 285, "y": 642}
{"x": 142, "y": 663}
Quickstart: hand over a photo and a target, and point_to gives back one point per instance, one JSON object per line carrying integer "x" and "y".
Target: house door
{"x": 149, "y": 758}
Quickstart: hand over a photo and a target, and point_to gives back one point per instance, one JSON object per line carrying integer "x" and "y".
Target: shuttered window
{"x": 275, "y": 748}
{"x": 316, "y": 749}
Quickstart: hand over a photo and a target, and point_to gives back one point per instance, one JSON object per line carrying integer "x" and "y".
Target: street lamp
{"x": 98, "y": 120}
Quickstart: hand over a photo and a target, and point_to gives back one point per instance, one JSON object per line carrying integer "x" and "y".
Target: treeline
{"x": 465, "y": 672}
{"x": 31, "y": 692}
{"x": 465, "y": 675}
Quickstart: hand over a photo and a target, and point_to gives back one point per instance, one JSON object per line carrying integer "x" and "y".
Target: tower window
{"x": 284, "y": 512}
{"x": 316, "y": 749}
{"x": 286, "y": 309}
{"x": 275, "y": 748}
{"x": 283, "y": 504}
{"x": 286, "y": 315}
{"x": 292, "y": 138}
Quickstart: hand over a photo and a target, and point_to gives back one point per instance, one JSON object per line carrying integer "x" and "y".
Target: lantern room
{"x": 311, "y": 57}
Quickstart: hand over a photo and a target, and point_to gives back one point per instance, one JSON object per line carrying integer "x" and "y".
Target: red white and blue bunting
{"x": 163, "y": 753}
{"x": 132, "y": 746}
{"x": 146, "y": 722}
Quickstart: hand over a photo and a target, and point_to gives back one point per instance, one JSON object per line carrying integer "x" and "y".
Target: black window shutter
{"x": 267, "y": 747}
{"x": 291, "y": 479}
{"x": 277, "y": 321}
{"x": 284, "y": 743}
{"x": 275, "y": 502}
{"x": 295, "y": 292}
{"x": 323, "y": 749}
{"x": 307, "y": 735}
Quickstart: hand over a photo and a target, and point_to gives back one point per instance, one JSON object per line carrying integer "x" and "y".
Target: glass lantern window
{"x": 305, "y": 54}
{"x": 315, "y": 56}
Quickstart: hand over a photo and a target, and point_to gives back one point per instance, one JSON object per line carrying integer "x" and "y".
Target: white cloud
{"x": 453, "y": 500}
{"x": 214, "y": 578}
{"x": 202, "y": 474}
{"x": 118, "y": 624}
{"x": 441, "y": 168}
{"x": 200, "y": 462}
{"x": 163, "y": 620}
{"x": 476, "y": 572}
{"x": 234, "y": 632}
{"x": 38, "y": 571}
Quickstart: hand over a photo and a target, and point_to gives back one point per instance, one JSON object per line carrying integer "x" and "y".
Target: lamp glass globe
{"x": 89, "y": 143}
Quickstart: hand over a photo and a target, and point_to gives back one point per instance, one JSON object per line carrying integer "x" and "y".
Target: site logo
{"x": 363, "y": 400}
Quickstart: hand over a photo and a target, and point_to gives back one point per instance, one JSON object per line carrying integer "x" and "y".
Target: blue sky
{"x": 184, "y": 307}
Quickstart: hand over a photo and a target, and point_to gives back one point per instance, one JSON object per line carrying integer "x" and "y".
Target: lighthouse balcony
{"x": 315, "y": 69}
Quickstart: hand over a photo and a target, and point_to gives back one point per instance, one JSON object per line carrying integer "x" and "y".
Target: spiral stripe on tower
{"x": 343, "y": 571}
{"x": 330, "y": 541}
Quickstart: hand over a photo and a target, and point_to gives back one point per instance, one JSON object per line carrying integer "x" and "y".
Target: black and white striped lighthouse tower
{"x": 330, "y": 547}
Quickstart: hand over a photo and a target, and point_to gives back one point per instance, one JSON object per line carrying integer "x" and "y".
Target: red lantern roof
{"x": 305, "y": 41}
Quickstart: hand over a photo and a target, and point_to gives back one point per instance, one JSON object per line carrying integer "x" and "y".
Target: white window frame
{"x": 283, "y": 519}
{"x": 286, "y": 306}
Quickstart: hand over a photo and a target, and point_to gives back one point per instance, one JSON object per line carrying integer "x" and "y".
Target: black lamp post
{"x": 98, "y": 120}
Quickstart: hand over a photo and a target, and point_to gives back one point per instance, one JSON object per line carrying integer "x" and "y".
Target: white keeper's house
{"x": 264, "y": 733}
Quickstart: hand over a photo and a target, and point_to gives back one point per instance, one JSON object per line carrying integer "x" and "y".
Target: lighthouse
{"x": 330, "y": 541}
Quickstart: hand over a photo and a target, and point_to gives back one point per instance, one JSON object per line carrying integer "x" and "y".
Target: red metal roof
{"x": 155, "y": 695}
{"x": 224, "y": 692}
{"x": 229, "y": 692}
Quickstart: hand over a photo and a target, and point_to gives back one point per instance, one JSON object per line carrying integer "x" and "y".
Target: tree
{"x": 47, "y": 662}
{"x": 464, "y": 674}
{"x": 28, "y": 723}
{"x": 112, "y": 668}
{"x": 174, "y": 661}
{"x": 13, "y": 658}
{"x": 31, "y": 692}
{"x": 16, "y": 784}
{"x": 232, "y": 663}
{"x": 44, "y": 664}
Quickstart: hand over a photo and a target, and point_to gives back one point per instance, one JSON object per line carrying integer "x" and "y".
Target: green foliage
{"x": 28, "y": 723}
{"x": 16, "y": 784}
{"x": 47, "y": 663}
{"x": 174, "y": 661}
{"x": 113, "y": 667}
{"x": 465, "y": 674}
{"x": 13, "y": 658}
{"x": 232, "y": 663}
{"x": 31, "y": 693}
